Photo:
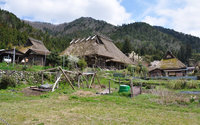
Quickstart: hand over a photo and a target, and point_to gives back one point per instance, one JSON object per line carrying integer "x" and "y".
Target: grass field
{"x": 65, "y": 106}
{"x": 19, "y": 67}
{"x": 160, "y": 106}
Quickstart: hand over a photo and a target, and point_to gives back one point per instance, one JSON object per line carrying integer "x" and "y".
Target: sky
{"x": 180, "y": 15}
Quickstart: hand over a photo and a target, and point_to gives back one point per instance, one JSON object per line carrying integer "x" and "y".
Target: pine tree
{"x": 127, "y": 48}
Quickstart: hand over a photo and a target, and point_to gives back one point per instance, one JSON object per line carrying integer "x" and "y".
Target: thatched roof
{"x": 96, "y": 45}
{"x": 170, "y": 62}
{"x": 35, "y": 45}
{"x": 11, "y": 52}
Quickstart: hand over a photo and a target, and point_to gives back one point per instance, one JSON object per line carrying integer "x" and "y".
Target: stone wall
{"x": 24, "y": 77}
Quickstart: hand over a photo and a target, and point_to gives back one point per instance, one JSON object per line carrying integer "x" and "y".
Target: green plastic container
{"x": 124, "y": 88}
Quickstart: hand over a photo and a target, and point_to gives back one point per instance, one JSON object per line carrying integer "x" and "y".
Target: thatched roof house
{"x": 9, "y": 54}
{"x": 98, "y": 51}
{"x": 169, "y": 66}
{"x": 35, "y": 51}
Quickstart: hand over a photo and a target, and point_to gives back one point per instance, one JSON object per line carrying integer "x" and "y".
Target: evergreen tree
{"x": 53, "y": 59}
{"x": 182, "y": 53}
{"x": 188, "y": 53}
{"x": 127, "y": 48}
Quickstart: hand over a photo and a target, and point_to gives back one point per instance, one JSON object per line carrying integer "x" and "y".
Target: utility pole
{"x": 14, "y": 57}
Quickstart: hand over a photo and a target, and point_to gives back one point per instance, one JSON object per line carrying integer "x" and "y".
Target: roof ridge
{"x": 35, "y": 40}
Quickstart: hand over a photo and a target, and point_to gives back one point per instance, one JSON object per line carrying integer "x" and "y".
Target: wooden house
{"x": 169, "y": 66}
{"x": 9, "y": 54}
{"x": 35, "y": 52}
{"x": 98, "y": 51}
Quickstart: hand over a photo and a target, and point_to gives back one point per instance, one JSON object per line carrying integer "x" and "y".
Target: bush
{"x": 53, "y": 59}
{"x": 82, "y": 63}
{"x": 131, "y": 69}
{"x": 192, "y": 84}
{"x": 177, "y": 84}
{"x": 6, "y": 82}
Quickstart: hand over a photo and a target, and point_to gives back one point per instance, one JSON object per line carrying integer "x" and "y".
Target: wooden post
{"x": 92, "y": 80}
{"x": 98, "y": 79}
{"x": 42, "y": 78}
{"x": 86, "y": 81}
{"x": 109, "y": 87}
{"x": 131, "y": 84}
{"x": 119, "y": 82}
{"x": 67, "y": 79}
{"x": 82, "y": 82}
{"x": 78, "y": 81}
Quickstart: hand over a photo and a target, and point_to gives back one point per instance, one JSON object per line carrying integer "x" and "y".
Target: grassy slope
{"x": 55, "y": 108}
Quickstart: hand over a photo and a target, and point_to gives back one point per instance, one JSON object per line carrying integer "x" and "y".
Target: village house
{"x": 98, "y": 51}
{"x": 35, "y": 52}
{"x": 168, "y": 66}
{"x": 7, "y": 55}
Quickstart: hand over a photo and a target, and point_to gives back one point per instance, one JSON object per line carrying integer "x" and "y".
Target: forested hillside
{"x": 14, "y": 32}
{"x": 150, "y": 42}
{"x": 185, "y": 38}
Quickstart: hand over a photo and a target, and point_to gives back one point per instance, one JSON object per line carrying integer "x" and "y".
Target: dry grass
{"x": 169, "y": 97}
{"x": 83, "y": 108}
{"x": 84, "y": 93}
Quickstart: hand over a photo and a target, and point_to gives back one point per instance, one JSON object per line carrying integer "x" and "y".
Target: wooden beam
{"x": 53, "y": 89}
{"x": 67, "y": 79}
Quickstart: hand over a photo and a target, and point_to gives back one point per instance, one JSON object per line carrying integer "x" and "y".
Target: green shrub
{"x": 6, "y": 82}
{"x": 192, "y": 84}
{"x": 25, "y": 67}
{"x": 82, "y": 63}
{"x": 176, "y": 84}
{"x": 53, "y": 59}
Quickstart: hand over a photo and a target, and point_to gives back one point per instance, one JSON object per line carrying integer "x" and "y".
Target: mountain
{"x": 145, "y": 39}
{"x": 14, "y": 32}
{"x": 79, "y": 27}
{"x": 149, "y": 41}
{"x": 185, "y": 38}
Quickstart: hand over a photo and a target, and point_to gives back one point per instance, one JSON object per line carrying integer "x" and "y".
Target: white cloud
{"x": 59, "y": 11}
{"x": 181, "y": 15}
